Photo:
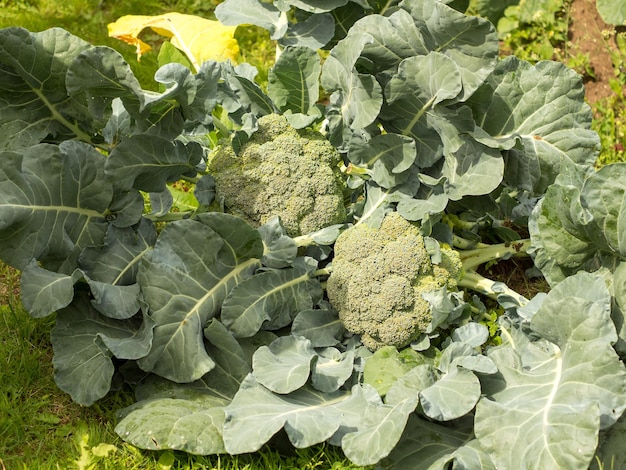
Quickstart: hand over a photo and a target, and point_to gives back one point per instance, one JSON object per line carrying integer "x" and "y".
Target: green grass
{"x": 610, "y": 113}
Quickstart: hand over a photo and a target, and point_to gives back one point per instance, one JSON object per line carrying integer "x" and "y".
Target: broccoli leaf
{"x": 420, "y": 84}
{"x": 320, "y": 326}
{"x": 331, "y": 369}
{"x": 148, "y": 162}
{"x": 573, "y": 228}
{"x": 256, "y": 414}
{"x": 190, "y": 425}
{"x": 387, "y": 157}
{"x": 270, "y": 300}
{"x": 284, "y": 365}
{"x": 436, "y": 446}
{"x": 265, "y": 15}
{"x": 111, "y": 268}
{"x": 314, "y": 32}
{"x": 33, "y": 92}
{"x": 185, "y": 279}
{"x": 452, "y": 396}
{"x": 560, "y": 390}
{"x": 280, "y": 249}
{"x": 84, "y": 342}
{"x": 293, "y": 82}
{"x": 317, "y": 6}
{"x": 471, "y": 42}
{"x": 243, "y": 93}
{"x": 612, "y": 11}
{"x": 611, "y": 447}
{"x": 189, "y": 416}
{"x": 382, "y": 428}
{"x": 43, "y": 214}
{"x": 45, "y": 291}
{"x": 520, "y": 101}
{"x": 420, "y": 27}
{"x": 358, "y": 95}
{"x": 103, "y": 74}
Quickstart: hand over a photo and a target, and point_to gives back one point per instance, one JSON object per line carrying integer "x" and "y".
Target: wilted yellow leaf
{"x": 200, "y": 39}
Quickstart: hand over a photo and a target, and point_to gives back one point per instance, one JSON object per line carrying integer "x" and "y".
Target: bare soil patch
{"x": 590, "y": 35}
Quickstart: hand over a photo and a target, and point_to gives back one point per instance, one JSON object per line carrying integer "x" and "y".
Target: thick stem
{"x": 492, "y": 289}
{"x": 484, "y": 253}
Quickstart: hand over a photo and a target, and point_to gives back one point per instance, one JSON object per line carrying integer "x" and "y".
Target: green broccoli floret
{"x": 378, "y": 277}
{"x": 281, "y": 171}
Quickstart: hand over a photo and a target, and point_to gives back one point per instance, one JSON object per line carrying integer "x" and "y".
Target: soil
{"x": 591, "y": 36}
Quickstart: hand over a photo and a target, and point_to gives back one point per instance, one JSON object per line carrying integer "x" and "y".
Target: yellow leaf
{"x": 198, "y": 38}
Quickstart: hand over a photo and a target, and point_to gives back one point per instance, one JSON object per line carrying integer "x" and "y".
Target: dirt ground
{"x": 590, "y": 35}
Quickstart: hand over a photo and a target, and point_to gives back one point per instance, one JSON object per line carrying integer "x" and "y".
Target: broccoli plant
{"x": 345, "y": 208}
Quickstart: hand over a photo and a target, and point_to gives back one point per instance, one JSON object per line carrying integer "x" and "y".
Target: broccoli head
{"x": 281, "y": 171}
{"x": 378, "y": 277}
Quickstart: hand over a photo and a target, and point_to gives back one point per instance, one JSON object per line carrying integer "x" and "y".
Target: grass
{"x": 41, "y": 428}
{"x": 610, "y": 113}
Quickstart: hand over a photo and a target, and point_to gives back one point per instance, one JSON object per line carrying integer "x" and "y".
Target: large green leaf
{"x": 387, "y": 157}
{"x": 382, "y": 428}
{"x": 236, "y": 12}
{"x": 284, "y": 365}
{"x": 435, "y": 446}
{"x": 44, "y": 214}
{"x": 280, "y": 249}
{"x": 148, "y": 162}
{"x": 391, "y": 39}
{"x": 611, "y": 452}
{"x": 603, "y": 196}
{"x": 190, "y": 416}
{"x": 419, "y": 85}
{"x": 34, "y": 103}
{"x": 116, "y": 260}
{"x": 573, "y": 228}
{"x": 543, "y": 108}
{"x": 320, "y": 326}
{"x": 358, "y": 96}
{"x": 452, "y": 396}
{"x": 317, "y": 6}
{"x": 493, "y": 11}
{"x": 189, "y": 425}
{"x": 612, "y": 11}
{"x": 103, "y": 74}
{"x": 307, "y": 415}
{"x": 424, "y": 26}
{"x": 44, "y": 292}
{"x": 293, "y": 82}
{"x": 270, "y": 300}
{"x": 471, "y": 42}
{"x": 112, "y": 267}
{"x": 331, "y": 369}
{"x": 314, "y": 32}
{"x": 552, "y": 396}
{"x": 185, "y": 279}
{"x": 242, "y": 93}
{"x": 84, "y": 343}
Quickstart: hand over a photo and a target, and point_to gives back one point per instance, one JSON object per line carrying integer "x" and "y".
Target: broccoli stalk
{"x": 483, "y": 253}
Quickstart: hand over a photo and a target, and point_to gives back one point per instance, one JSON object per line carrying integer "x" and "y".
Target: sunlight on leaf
{"x": 199, "y": 38}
